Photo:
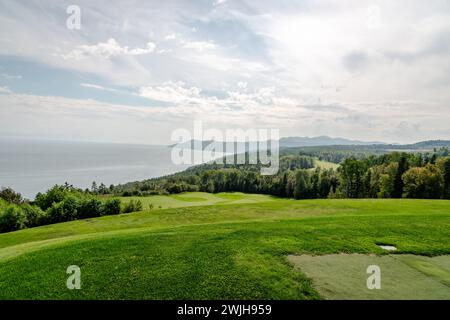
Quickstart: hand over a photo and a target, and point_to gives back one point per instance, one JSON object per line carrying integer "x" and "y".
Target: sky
{"x": 135, "y": 71}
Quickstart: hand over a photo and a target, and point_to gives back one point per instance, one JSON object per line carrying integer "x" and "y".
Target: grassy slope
{"x": 326, "y": 165}
{"x": 227, "y": 251}
{"x": 197, "y": 199}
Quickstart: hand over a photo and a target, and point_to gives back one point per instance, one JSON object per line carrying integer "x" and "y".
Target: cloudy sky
{"x": 137, "y": 70}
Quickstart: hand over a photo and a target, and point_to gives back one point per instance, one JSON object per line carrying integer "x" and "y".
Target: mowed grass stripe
{"x": 191, "y": 199}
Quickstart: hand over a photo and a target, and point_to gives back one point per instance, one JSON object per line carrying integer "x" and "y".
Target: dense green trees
{"x": 423, "y": 182}
{"x": 398, "y": 180}
{"x": 12, "y": 218}
{"x": 444, "y": 166}
{"x": 383, "y": 176}
{"x": 55, "y": 194}
{"x": 11, "y": 196}
{"x": 352, "y": 175}
{"x": 381, "y": 181}
{"x": 58, "y": 204}
{"x": 313, "y": 184}
{"x": 302, "y": 185}
{"x": 293, "y": 162}
{"x": 34, "y": 215}
{"x": 394, "y": 175}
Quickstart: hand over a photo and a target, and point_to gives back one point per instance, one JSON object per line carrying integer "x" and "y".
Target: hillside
{"x": 322, "y": 141}
{"x": 290, "y": 142}
{"x": 286, "y": 142}
{"x": 229, "y": 251}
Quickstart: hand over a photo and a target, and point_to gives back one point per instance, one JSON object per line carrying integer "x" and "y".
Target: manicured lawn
{"x": 344, "y": 276}
{"x": 197, "y": 199}
{"x": 227, "y": 251}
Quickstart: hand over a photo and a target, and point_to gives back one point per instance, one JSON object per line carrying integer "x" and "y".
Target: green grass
{"x": 437, "y": 267}
{"x": 325, "y": 164}
{"x": 343, "y": 276}
{"x": 224, "y": 249}
{"x": 197, "y": 199}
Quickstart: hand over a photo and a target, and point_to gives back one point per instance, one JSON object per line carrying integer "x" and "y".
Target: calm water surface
{"x": 31, "y": 166}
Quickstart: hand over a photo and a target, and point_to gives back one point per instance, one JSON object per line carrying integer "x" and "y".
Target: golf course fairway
{"x": 235, "y": 246}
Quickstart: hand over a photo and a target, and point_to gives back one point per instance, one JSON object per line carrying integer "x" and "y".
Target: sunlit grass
{"x": 217, "y": 251}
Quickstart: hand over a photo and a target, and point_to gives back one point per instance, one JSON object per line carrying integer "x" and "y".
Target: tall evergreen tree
{"x": 446, "y": 176}
{"x": 398, "y": 182}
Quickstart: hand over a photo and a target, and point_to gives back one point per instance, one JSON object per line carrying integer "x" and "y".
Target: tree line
{"x": 58, "y": 204}
{"x": 394, "y": 175}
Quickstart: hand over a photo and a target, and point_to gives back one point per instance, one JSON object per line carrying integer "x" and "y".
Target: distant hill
{"x": 430, "y": 144}
{"x": 324, "y": 141}
{"x": 290, "y": 142}
{"x": 422, "y": 145}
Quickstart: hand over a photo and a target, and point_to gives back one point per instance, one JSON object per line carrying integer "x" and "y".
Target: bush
{"x": 89, "y": 208}
{"x": 132, "y": 206}
{"x": 53, "y": 196}
{"x": 73, "y": 208}
{"x": 67, "y": 204}
{"x": 12, "y": 218}
{"x": 111, "y": 207}
{"x": 34, "y": 216}
{"x": 65, "y": 210}
{"x": 9, "y": 195}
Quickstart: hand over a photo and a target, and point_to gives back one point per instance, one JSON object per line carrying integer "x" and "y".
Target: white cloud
{"x": 106, "y": 50}
{"x": 170, "y": 92}
{"x": 40, "y": 116}
{"x": 242, "y": 85}
{"x": 171, "y": 36}
{"x": 219, "y": 2}
{"x": 181, "y": 95}
{"x": 138, "y": 51}
{"x": 10, "y": 77}
{"x": 98, "y": 87}
{"x": 4, "y": 90}
{"x": 220, "y": 62}
{"x": 336, "y": 68}
{"x": 162, "y": 51}
{"x": 199, "y": 46}
{"x": 333, "y": 43}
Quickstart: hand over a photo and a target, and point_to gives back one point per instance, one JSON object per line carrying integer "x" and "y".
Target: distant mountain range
{"x": 422, "y": 145}
{"x": 321, "y": 141}
{"x": 296, "y": 142}
{"x": 290, "y": 142}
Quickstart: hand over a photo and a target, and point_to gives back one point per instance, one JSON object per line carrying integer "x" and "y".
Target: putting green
{"x": 344, "y": 276}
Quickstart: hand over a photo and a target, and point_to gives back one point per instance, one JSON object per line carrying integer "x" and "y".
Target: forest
{"x": 392, "y": 175}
